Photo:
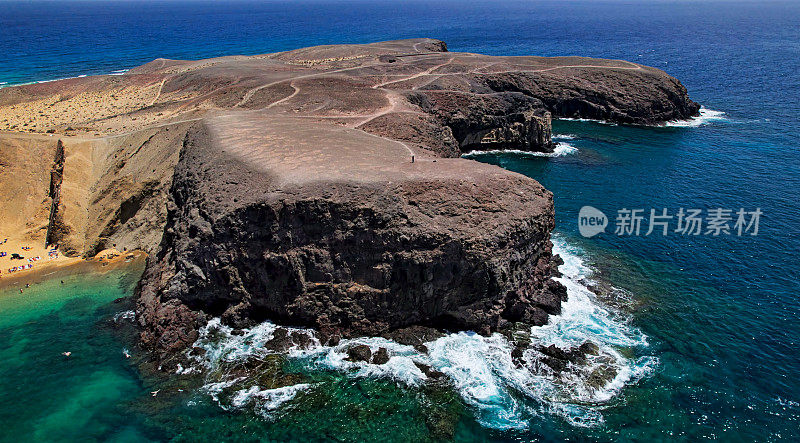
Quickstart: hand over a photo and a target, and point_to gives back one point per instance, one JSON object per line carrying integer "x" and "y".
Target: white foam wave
{"x": 117, "y": 72}
{"x": 582, "y": 317}
{"x": 564, "y": 136}
{"x": 221, "y": 345}
{"x": 401, "y": 366}
{"x": 706, "y": 116}
{"x": 592, "y": 120}
{"x": 482, "y": 371}
{"x": 560, "y": 150}
{"x": 266, "y": 401}
{"x": 502, "y": 392}
{"x": 487, "y": 378}
{"x": 563, "y": 149}
{"x": 214, "y": 389}
{"x": 124, "y": 315}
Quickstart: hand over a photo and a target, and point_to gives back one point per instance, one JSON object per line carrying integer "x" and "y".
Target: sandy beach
{"x": 35, "y": 258}
{"x": 62, "y": 266}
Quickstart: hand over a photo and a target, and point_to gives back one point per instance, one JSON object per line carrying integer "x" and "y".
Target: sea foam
{"x": 502, "y": 393}
{"x": 560, "y": 150}
{"x": 266, "y": 401}
{"x": 706, "y": 116}
{"x": 36, "y": 82}
{"x": 129, "y": 315}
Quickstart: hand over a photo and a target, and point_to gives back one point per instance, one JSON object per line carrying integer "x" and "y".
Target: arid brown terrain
{"x": 320, "y": 186}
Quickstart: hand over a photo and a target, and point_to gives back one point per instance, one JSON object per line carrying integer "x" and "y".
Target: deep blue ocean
{"x": 707, "y": 328}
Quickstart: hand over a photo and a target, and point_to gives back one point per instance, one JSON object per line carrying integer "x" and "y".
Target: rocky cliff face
{"x": 450, "y": 244}
{"x": 634, "y": 94}
{"x": 502, "y": 120}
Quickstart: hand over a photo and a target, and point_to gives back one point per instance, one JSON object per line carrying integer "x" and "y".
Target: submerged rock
{"x": 430, "y": 372}
{"x": 560, "y": 360}
{"x": 601, "y": 376}
{"x": 265, "y": 372}
{"x": 443, "y": 409}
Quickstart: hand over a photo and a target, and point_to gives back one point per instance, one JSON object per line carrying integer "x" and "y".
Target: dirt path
{"x": 296, "y": 90}
{"x": 252, "y": 92}
{"x": 633, "y": 67}
{"x": 410, "y": 77}
{"x": 396, "y": 104}
{"x": 407, "y": 148}
{"x": 158, "y": 95}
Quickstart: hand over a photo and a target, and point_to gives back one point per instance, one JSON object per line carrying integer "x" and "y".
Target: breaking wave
{"x": 36, "y": 82}
{"x": 560, "y": 150}
{"x": 129, "y": 315}
{"x": 265, "y": 402}
{"x": 592, "y": 120}
{"x": 706, "y": 116}
{"x": 563, "y": 149}
{"x": 506, "y": 384}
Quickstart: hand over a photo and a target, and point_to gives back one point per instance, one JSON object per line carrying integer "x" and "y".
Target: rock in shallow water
{"x": 359, "y": 353}
{"x": 381, "y": 356}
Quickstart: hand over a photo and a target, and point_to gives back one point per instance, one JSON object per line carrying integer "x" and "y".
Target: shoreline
{"x": 36, "y": 82}
{"x": 105, "y": 261}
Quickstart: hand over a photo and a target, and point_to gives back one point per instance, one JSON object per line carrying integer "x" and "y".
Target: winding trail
{"x": 158, "y": 95}
{"x": 396, "y": 102}
{"x": 395, "y": 105}
{"x": 403, "y": 144}
{"x": 411, "y": 77}
{"x": 633, "y": 67}
{"x": 252, "y": 92}
{"x": 289, "y": 97}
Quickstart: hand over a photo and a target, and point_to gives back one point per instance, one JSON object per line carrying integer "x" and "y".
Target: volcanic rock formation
{"x": 322, "y": 186}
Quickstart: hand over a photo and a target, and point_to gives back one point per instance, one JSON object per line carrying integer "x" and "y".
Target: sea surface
{"x": 701, "y": 333}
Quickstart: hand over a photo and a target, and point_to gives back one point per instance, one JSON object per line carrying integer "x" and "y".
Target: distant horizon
{"x": 465, "y": 2}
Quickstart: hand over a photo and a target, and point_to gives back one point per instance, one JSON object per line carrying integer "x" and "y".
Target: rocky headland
{"x": 319, "y": 187}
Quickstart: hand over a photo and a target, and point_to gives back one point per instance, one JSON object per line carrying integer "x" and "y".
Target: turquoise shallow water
{"x": 706, "y": 327}
{"x": 50, "y": 396}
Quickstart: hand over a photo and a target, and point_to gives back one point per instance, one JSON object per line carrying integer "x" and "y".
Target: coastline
{"x": 36, "y": 82}
{"x": 105, "y": 261}
{"x": 384, "y": 104}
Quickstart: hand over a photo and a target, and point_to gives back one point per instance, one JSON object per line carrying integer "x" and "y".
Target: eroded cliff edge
{"x": 290, "y": 190}
{"x": 360, "y": 243}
